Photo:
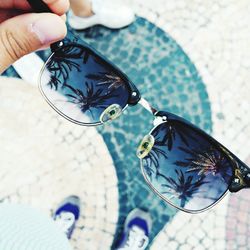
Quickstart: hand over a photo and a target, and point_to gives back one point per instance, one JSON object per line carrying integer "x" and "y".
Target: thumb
{"x": 24, "y": 34}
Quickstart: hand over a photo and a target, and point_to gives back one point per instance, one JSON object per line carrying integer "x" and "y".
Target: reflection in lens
{"x": 80, "y": 85}
{"x": 185, "y": 167}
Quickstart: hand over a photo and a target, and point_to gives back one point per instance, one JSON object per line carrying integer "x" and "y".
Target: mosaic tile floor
{"x": 45, "y": 159}
{"x": 215, "y": 36}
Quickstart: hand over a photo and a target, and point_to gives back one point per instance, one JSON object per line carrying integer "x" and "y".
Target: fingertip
{"x": 59, "y": 7}
{"x": 48, "y": 27}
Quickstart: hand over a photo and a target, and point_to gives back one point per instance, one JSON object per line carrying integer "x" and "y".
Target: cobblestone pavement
{"x": 45, "y": 159}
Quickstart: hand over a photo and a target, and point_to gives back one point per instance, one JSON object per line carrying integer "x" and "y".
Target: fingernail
{"x": 49, "y": 30}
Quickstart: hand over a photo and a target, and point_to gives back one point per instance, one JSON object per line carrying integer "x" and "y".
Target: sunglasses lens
{"x": 186, "y": 167}
{"x": 82, "y": 86}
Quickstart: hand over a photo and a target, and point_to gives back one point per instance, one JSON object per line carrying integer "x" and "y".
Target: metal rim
{"x": 57, "y": 110}
{"x": 168, "y": 201}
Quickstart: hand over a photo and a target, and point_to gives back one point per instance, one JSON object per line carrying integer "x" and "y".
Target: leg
{"x": 81, "y": 8}
{"x": 21, "y": 224}
{"x": 87, "y": 13}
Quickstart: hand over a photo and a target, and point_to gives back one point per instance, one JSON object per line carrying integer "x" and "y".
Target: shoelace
{"x": 137, "y": 240}
{"x": 65, "y": 221}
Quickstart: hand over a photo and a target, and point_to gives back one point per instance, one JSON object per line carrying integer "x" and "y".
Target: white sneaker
{"x": 136, "y": 231}
{"x": 113, "y": 16}
{"x": 137, "y": 240}
{"x": 67, "y": 214}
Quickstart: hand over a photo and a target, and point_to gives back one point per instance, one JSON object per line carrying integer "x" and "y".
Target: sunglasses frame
{"x": 134, "y": 94}
{"x": 241, "y": 172}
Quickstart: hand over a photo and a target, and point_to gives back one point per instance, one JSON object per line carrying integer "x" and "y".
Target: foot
{"x": 67, "y": 214}
{"x": 136, "y": 231}
{"x": 113, "y": 16}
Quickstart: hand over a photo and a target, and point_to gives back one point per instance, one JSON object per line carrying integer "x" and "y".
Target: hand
{"x": 22, "y": 32}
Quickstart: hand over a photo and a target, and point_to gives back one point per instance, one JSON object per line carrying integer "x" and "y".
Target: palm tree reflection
{"x": 93, "y": 98}
{"x": 113, "y": 80}
{"x": 205, "y": 161}
{"x": 181, "y": 187}
{"x": 169, "y": 130}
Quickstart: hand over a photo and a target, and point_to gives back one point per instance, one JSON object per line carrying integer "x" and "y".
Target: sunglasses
{"x": 182, "y": 164}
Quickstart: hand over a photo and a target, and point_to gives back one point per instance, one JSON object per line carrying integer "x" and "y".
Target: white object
{"x": 137, "y": 240}
{"x": 29, "y": 68}
{"x": 65, "y": 220}
{"x": 111, "y": 15}
{"x": 135, "y": 237}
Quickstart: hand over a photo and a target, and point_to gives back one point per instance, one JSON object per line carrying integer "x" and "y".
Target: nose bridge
{"x": 146, "y": 105}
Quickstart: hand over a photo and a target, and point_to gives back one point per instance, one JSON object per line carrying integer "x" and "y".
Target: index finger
{"x": 15, "y": 4}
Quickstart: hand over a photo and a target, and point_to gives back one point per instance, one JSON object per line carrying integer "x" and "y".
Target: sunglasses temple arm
{"x": 145, "y": 104}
